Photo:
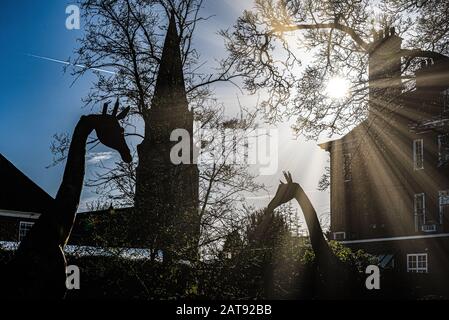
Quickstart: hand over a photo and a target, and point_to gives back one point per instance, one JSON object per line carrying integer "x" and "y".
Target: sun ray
{"x": 337, "y": 88}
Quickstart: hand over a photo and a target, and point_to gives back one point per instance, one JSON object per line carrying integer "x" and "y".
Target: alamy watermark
{"x": 373, "y": 280}
{"x": 258, "y": 147}
{"x": 73, "y": 20}
{"x": 73, "y": 280}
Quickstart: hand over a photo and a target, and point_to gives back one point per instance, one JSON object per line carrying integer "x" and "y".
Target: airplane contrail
{"x": 68, "y": 63}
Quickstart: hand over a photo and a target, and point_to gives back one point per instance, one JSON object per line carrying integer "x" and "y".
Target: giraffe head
{"x": 284, "y": 193}
{"x": 110, "y": 132}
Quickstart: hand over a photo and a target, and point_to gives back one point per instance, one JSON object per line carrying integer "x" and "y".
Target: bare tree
{"x": 224, "y": 178}
{"x": 271, "y": 42}
{"x": 125, "y": 37}
{"x": 122, "y": 46}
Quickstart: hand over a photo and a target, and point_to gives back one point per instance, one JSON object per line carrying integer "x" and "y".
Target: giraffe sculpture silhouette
{"x": 38, "y": 268}
{"x": 336, "y": 280}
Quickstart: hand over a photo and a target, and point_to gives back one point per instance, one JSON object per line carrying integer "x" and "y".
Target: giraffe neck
{"x": 323, "y": 252}
{"x": 69, "y": 193}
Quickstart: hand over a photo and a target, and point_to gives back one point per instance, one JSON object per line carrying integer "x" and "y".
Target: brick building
{"x": 389, "y": 178}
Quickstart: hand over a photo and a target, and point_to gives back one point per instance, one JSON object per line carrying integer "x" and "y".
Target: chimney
{"x": 384, "y": 68}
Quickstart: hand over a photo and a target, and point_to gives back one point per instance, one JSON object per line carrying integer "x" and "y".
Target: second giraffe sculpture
{"x": 38, "y": 269}
{"x": 336, "y": 280}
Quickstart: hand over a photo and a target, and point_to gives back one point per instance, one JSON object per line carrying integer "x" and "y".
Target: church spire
{"x": 166, "y": 198}
{"x": 170, "y": 87}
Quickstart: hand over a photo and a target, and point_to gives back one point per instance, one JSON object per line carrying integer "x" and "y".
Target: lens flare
{"x": 337, "y": 88}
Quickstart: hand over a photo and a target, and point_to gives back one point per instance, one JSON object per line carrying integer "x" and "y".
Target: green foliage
{"x": 357, "y": 259}
{"x": 261, "y": 259}
{"x": 117, "y": 278}
{"x": 268, "y": 261}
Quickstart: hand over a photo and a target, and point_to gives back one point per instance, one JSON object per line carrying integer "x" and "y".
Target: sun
{"x": 337, "y": 88}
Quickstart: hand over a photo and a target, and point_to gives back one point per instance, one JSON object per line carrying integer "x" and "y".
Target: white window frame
{"x": 429, "y": 228}
{"x": 441, "y": 194}
{"x": 414, "y": 260}
{"x": 415, "y": 211}
{"x": 24, "y": 228}
{"x": 347, "y": 175}
{"x": 415, "y": 154}
{"x": 340, "y": 233}
{"x": 440, "y": 153}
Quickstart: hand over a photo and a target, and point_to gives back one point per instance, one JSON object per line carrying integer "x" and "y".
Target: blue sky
{"x": 38, "y": 99}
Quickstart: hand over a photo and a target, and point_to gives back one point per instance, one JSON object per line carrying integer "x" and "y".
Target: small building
{"x": 21, "y": 202}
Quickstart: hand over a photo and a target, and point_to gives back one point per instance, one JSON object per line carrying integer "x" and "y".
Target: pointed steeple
{"x": 167, "y": 222}
{"x": 170, "y": 87}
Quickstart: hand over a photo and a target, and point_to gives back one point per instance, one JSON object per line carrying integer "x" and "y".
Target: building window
{"x": 443, "y": 200}
{"x": 418, "y": 154}
{"x": 417, "y": 262}
{"x": 24, "y": 227}
{"x": 420, "y": 211}
{"x": 385, "y": 261}
{"x": 443, "y": 149}
{"x": 347, "y": 168}
{"x": 339, "y": 236}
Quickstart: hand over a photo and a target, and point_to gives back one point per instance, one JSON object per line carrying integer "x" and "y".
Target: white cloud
{"x": 96, "y": 157}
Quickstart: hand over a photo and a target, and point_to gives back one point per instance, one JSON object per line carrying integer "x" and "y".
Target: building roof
{"x": 20, "y": 193}
{"x": 327, "y": 145}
